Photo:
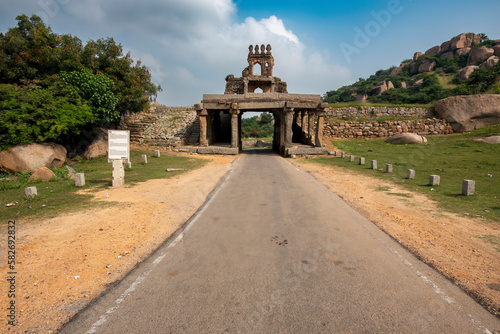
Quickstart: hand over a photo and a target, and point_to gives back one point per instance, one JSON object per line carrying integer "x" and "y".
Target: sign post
{"x": 118, "y": 152}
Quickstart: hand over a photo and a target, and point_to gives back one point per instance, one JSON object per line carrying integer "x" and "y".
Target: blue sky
{"x": 191, "y": 45}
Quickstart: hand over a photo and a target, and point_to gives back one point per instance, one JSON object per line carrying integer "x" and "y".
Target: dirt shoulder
{"x": 65, "y": 262}
{"x": 445, "y": 241}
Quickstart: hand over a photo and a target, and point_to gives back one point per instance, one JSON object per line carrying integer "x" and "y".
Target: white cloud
{"x": 191, "y": 45}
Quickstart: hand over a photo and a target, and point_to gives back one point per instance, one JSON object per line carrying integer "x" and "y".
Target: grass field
{"x": 59, "y": 196}
{"x": 453, "y": 157}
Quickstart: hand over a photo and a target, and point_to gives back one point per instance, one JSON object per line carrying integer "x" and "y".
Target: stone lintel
{"x": 261, "y": 96}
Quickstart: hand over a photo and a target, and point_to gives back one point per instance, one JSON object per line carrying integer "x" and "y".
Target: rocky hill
{"x": 465, "y": 65}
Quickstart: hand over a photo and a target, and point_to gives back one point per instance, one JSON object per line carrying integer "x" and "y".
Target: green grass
{"x": 453, "y": 157}
{"x": 60, "y": 196}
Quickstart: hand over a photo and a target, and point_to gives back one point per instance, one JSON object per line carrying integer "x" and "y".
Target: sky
{"x": 190, "y": 46}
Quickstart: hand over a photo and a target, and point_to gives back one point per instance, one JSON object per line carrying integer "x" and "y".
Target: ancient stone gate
{"x": 298, "y": 118}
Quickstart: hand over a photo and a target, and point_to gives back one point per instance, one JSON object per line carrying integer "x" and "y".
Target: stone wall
{"x": 374, "y": 129}
{"x": 159, "y": 125}
{"x": 374, "y": 112}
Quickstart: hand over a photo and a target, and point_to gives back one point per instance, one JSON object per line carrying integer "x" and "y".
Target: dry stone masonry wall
{"x": 374, "y": 129}
{"x": 375, "y": 112}
{"x": 159, "y": 125}
{"x": 346, "y": 122}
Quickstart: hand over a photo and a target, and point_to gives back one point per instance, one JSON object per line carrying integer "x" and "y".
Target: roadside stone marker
{"x": 342, "y": 155}
{"x": 351, "y": 158}
{"x": 118, "y": 173}
{"x": 144, "y": 159}
{"x": 374, "y": 164}
{"x": 79, "y": 180}
{"x": 336, "y": 153}
{"x": 128, "y": 165}
{"x": 157, "y": 153}
{"x": 30, "y": 192}
{"x": 468, "y": 187}
{"x": 388, "y": 168}
{"x": 410, "y": 174}
{"x": 434, "y": 180}
{"x": 361, "y": 161}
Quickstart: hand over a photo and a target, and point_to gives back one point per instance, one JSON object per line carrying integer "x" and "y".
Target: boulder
{"x": 413, "y": 67}
{"x": 419, "y": 82}
{"x": 462, "y": 51}
{"x": 416, "y": 55}
{"x": 390, "y": 85}
{"x": 449, "y": 54}
{"x": 466, "y": 72}
{"x": 490, "y": 140}
{"x": 496, "y": 50}
{"x": 461, "y": 41}
{"x": 404, "y": 85}
{"x": 397, "y": 70}
{"x": 469, "y": 112}
{"x": 490, "y": 62}
{"x": 445, "y": 47}
{"x": 98, "y": 148}
{"x": 44, "y": 174}
{"x": 379, "y": 88}
{"x": 361, "y": 97}
{"x": 24, "y": 158}
{"x": 433, "y": 51}
{"x": 426, "y": 66}
{"x": 479, "y": 55}
{"x": 406, "y": 138}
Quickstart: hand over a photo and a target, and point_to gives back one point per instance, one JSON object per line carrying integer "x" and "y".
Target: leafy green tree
{"x": 31, "y": 113}
{"x": 97, "y": 90}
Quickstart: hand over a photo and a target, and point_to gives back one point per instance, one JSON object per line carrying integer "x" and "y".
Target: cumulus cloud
{"x": 191, "y": 45}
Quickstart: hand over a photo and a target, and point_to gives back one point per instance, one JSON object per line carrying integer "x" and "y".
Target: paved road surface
{"x": 274, "y": 251}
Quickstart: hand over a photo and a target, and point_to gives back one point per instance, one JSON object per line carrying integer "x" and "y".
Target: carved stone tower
{"x": 263, "y": 79}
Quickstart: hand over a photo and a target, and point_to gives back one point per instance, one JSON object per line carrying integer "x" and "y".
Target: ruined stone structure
{"x": 298, "y": 118}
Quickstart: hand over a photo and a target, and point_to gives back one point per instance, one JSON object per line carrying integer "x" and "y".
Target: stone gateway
{"x": 298, "y": 118}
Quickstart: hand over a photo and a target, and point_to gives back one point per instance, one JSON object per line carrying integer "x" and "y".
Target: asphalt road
{"x": 274, "y": 251}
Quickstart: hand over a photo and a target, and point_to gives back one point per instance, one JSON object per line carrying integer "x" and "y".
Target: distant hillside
{"x": 465, "y": 65}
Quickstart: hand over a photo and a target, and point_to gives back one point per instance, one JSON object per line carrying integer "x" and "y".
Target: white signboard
{"x": 118, "y": 145}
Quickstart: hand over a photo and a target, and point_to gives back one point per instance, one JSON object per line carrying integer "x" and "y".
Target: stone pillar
{"x": 79, "y": 180}
{"x": 203, "y": 127}
{"x": 210, "y": 130}
{"x": 118, "y": 173}
{"x": 304, "y": 127}
{"x": 468, "y": 187}
{"x": 310, "y": 127}
{"x": 234, "y": 126}
{"x": 319, "y": 130}
{"x": 282, "y": 133}
{"x": 288, "y": 127}
{"x": 30, "y": 192}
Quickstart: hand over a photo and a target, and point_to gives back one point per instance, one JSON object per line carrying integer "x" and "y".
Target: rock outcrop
{"x": 24, "y": 158}
{"x": 469, "y": 112}
{"x": 406, "y": 138}
{"x": 43, "y": 174}
{"x": 466, "y": 72}
{"x": 99, "y": 147}
{"x": 379, "y": 88}
{"x": 479, "y": 55}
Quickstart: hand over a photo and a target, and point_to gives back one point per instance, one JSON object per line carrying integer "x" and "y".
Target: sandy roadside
{"x": 65, "y": 262}
{"x": 443, "y": 240}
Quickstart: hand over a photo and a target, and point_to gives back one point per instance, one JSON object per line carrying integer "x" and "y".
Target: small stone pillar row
{"x": 288, "y": 127}
{"x": 234, "y": 126}
{"x": 203, "y": 127}
{"x": 319, "y": 129}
